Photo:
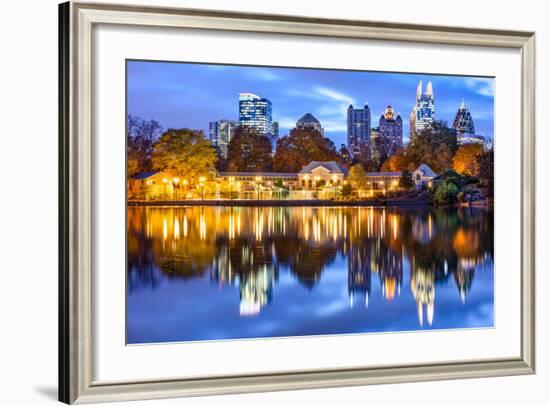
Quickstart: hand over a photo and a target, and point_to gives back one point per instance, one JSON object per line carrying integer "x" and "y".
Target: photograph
{"x": 271, "y": 202}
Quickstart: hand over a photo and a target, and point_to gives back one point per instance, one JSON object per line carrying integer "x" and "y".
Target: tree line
{"x": 188, "y": 153}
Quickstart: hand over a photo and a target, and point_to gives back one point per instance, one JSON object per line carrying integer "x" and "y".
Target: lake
{"x": 212, "y": 273}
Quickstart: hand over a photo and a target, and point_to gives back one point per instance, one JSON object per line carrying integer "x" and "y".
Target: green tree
{"x": 249, "y": 151}
{"x": 184, "y": 153}
{"x": 358, "y": 177}
{"x": 347, "y": 190}
{"x": 433, "y": 146}
{"x": 300, "y": 147}
{"x": 406, "y": 180}
{"x": 446, "y": 193}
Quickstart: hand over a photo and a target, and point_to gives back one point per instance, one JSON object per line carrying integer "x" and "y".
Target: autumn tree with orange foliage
{"x": 466, "y": 159}
{"x": 300, "y": 147}
{"x": 395, "y": 163}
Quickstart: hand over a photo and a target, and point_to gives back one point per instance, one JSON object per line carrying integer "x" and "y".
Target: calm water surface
{"x": 209, "y": 273}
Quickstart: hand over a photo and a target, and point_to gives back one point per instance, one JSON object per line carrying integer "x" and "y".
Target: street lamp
{"x": 202, "y": 179}
{"x": 176, "y": 181}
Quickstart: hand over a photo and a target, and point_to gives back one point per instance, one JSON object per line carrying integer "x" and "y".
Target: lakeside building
{"x": 390, "y": 133}
{"x": 150, "y": 185}
{"x": 318, "y": 176}
{"x": 465, "y": 128}
{"x": 423, "y": 113}
{"x": 309, "y": 122}
{"x": 220, "y": 133}
{"x": 359, "y": 124}
{"x": 255, "y": 112}
{"x": 423, "y": 176}
{"x": 318, "y": 173}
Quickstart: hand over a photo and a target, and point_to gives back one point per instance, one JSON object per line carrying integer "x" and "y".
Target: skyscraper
{"x": 358, "y": 129}
{"x": 220, "y": 134}
{"x": 465, "y": 128}
{"x": 309, "y": 122}
{"x": 423, "y": 113}
{"x": 391, "y": 132}
{"x": 255, "y": 113}
{"x": 463, "y": 122}
{"x": 375, "y": 153}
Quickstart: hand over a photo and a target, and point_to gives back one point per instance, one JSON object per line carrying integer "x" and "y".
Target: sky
{"x": 190, "y": 95}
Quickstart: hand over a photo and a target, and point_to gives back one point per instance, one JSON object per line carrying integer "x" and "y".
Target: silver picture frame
{"x": 76, "y": 21}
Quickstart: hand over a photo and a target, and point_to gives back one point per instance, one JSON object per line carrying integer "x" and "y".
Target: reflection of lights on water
{"x": 202, "y": 227}
{"x": 164, "y": 228}
{"x": 185, "y": 225}
{"x": 394, "y": 227}
{"x": 176, "y": 229}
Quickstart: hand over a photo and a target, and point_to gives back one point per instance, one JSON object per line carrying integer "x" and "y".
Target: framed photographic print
{"x": 264, "y": 202}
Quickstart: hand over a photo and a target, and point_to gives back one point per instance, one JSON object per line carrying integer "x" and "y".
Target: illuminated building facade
{"x": 390, "y": 133}
{"x": 309, "y": 122}
{"x": 423, "y": 113}
{"x": 359, "y": 122}
{"x": 465, "y": 128}
{"x": 220, "y": 134}
{"x": 255, "y": 112}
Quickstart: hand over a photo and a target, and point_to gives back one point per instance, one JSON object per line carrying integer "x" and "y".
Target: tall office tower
{"x": 423, "y": 113}
{"x": 391, "y": 132}
{"x": 375, "y": 153}
{"x": 463, "y": 122}
{"x": 309, "y": 122}
{"x": 358, "y": 129}
{"x": 220, "y": 134}
{"x": 255, "y": 113}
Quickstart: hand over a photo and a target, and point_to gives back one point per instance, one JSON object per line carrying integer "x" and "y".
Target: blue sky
{"x": 191, "y": 95}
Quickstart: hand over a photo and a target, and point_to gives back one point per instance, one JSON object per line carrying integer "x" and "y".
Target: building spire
{"x": 429, "y": 90}
{"x": 419, "y": 90}
{"x": 462, "y": 105}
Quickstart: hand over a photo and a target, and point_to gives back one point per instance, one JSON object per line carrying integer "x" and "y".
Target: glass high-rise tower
{"x": 220, "y": 134}
{"x": 423, "y": 113}
{"x": 255, "y": 113}
{"x": 358, "y": 129}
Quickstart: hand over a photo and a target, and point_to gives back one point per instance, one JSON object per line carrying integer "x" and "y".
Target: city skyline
{"x": 175, "y": 95}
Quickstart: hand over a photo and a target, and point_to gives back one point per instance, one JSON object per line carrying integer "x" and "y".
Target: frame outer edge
{"x": 64, "y": 367}
{"x": 75, "y": 226}
{"x": 528, "y": 156}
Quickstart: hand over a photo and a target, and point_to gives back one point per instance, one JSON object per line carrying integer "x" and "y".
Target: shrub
{"x": 446, "y": 193}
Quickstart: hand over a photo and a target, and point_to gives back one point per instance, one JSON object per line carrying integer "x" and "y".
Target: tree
{"x": 300, "y": 147}
{"x": 395, "y": 163}
{"x": 446, "y": 193}
{"x": 141, "y": 135}
{"x": 433, "y": 146}
{"x": 466, "y": 159}
{"x": 406, "y": 180}
{"x": 249, "y": 151}
{"x": 184, "y": 153}
{"x": 486, "y": 169}
{"x": 358, "y": 177}
{"x": 345, "y": 155}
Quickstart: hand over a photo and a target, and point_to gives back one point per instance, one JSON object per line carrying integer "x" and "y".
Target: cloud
{"x": 482, "y": 86}
{"x": 334, "y": 95}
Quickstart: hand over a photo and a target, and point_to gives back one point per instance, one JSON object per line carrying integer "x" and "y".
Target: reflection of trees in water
{"x": 247, "y": 247}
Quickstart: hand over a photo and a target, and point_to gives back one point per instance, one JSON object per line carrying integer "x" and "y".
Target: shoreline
{"x": 282, "y": 203}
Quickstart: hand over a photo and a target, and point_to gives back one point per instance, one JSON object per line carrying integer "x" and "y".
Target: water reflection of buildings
{"x": 247, "y": 247}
